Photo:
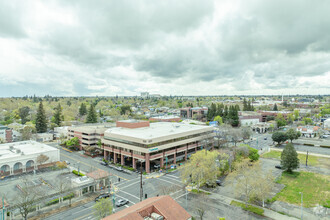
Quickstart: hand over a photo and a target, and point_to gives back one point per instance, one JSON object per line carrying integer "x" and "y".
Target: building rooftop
{"x": 156, "y": 130}
{"x": 16, "y": 149}
{"x": 162, "y": 205}
{"x": 165, "y": 117}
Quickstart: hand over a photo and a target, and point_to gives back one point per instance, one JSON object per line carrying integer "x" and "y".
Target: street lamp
{"x": 166, "y": 159}
{"x": 301, "y": 193}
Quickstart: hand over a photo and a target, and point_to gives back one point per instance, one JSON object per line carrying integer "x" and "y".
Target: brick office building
{"x": 161, "y": 143}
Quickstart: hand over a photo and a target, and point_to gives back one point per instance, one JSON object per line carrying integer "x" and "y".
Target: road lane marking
{"x": 169, "y": 182}
{"x": 126, "y": 199}
{"x": 171, "y": 194}
{"x": 126, "y": 181}
{"x": 89, "y": 165}
{"x": 181, "y": 196}
{"x": 172, "y": 176}
{"x": 129, "y": 185}
{"x": 130, "y": 194}
{"x": 172, "y": 179}
{"x": 84, "y": 216}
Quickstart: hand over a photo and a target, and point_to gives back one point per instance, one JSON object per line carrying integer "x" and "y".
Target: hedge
{"x": 325, "y": 146}
{"x": 52, "y": 202}
{"x": 70, "y": 196}
{"x": 250, "y": 208}
{"x": 76, "y": 172}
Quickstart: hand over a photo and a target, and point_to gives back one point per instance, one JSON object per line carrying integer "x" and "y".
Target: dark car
{"x": 278, "y": 167}
{"x": 103, "y": 163}
{"x": 265, "y": 138}
{"x": 218, "y": 182}
{"x": 102, "y": 196}
{"x": 121, "y": 202}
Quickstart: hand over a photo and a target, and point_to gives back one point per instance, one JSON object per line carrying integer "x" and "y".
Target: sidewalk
{"x": 267, "y": 212}
{"x": 302, "y": 152}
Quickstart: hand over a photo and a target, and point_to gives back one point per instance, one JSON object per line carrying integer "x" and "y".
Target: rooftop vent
{"x": 18, "y": 151}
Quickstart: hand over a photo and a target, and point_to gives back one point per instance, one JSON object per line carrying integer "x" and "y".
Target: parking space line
{"x": 129, "y": 185}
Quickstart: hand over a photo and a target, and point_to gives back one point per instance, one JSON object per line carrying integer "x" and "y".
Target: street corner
{"x": 150, "y": 176}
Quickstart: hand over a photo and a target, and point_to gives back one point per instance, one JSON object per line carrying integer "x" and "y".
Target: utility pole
{"x": 141, "y": 189}
{"x": 301, "y": 193}
{"x": 306, "y": 158}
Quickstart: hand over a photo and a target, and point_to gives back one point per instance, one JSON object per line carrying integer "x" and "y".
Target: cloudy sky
{"x": 196, "y": 47}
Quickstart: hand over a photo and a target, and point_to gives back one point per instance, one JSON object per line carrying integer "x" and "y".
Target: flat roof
{"x": 165, "y": 117}
{"x": 15, "y": 149}
{"x": 156, "y": 130}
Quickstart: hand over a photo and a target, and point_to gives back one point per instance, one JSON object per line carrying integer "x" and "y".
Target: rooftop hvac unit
{"x": 18, "y": 151}
{"x": 156, "y": 216}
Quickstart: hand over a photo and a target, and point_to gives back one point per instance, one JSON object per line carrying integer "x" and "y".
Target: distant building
{"x": 308, "y": 131}
{"x": 88, "y": 135}
{"x": 6, "y": 133}
{"x": 22, "y": 156}
{"x": 264, "y": 114}
{"x": 190, "y": 112}
{"x": 43, "y": 137}
{"x": 145, "y": 94}
{"x": 165, "y": 118}
{"x": 160, "y": 143}
{"x": 155, "y": 208}
{"x": 249, "y": 118}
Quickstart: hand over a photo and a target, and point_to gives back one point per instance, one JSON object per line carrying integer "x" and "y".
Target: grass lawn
{"x": 312, "y": 160}
{"x": 315, "y": 188}
{"x": 200, "y": 191}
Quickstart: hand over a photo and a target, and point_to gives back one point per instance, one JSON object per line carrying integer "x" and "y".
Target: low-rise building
{"x": 308, "y": 131}
{"x": 165, "y": 118}
{"x": 22, "y": 156}
{"x": 249, "y": 118}
{"x": 189, "y": 112}
{"x": 265, "y": 114}
{"x": 132, "y": 142}
{"x": 162, "y": 207}
{"x": 88, "y": 135}
{"x": 6, "y": 134}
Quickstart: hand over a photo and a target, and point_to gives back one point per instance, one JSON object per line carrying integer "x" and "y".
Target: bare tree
{"x": 63, "y": 187}
{"x": 235, "y": 135}
{"x": 26, "y": 198}
{"x": 200, "y": 206}
{"x": 264, "y": 187}
{"x": 102, "y": 208}
{"x": 246, "y": 132}
{"x": 42, "y": 159}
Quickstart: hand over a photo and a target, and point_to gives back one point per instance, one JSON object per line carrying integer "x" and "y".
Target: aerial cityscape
{"x": 164, "y": 110}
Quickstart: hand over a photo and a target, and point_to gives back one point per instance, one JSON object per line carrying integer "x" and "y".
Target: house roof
{"x": 163, "y": 205}
{"x": 98, "y": 174}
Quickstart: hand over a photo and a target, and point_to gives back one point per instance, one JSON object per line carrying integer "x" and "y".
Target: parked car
{"x": 265, "y": 138}
{"x": 218, "y": 182}
{"x": 119, "y": 169}
{"x": 103, "y": 163}
{"x": 121, "y": 202}
{"x": 102, "y": 196}
{"x": 278, "y": 167}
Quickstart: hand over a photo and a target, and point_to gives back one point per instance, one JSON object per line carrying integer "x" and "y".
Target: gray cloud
{"x": 248, "y": 46}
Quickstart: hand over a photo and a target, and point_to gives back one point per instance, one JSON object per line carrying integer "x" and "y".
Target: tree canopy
{"x": 289, "y": 158}
{"x": 91, "y": 116}
{"x": 41, "y": 121}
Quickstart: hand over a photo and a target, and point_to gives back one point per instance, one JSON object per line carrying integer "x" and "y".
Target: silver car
{"x": 121, "y": 202}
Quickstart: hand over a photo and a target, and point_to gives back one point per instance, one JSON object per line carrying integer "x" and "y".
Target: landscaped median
{"x": 78, "y": 174}
{"x": 247, "y": 207}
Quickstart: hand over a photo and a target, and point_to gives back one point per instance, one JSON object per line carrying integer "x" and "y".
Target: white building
{"x": 22, "y": 156}
{"x": 327, "y": 123}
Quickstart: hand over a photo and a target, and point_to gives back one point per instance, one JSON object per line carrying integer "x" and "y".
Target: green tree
{"x": 253, "y": 154}
{"x": 27, "y": 132}
{"x": 41, "y": 121}
{"x": 125, "y": 109}
{"x": 92, "y": 115}
{"x": 279, "y": 137}
{"x": 58, "y": 117}
{"x": 307, "y": 121}
{"x": 280, "y": 121}
{"x": 103, "y": 208}
{"x": 23, "y": 114}
{"x": 292, "y": 134}
{"x": 245, "y": 106}
{"x": 289, "y": 158}
{"x": 275, "y": 108}
{"x": 82, "y": 109}
{"x": 218, "y": 119}
{"x": 201, "y": 168}
{"x": 296, "y": 114}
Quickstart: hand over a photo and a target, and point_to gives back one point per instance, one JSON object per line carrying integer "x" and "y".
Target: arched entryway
{"x": 29, "y": 165}
{"x": 5, "y": 170}
{"x": 18, "y": 167}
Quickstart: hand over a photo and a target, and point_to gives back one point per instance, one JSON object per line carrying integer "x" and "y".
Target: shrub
{"x": 253, "y": 154}
{"x": 52, "y": 202}
{"x": 325, "y": 146}
{"x": 76, "y": 172}
{"x": 249, "y": 208}
{"x": 70, "y": 196}
{"x": 144, "y": 173}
